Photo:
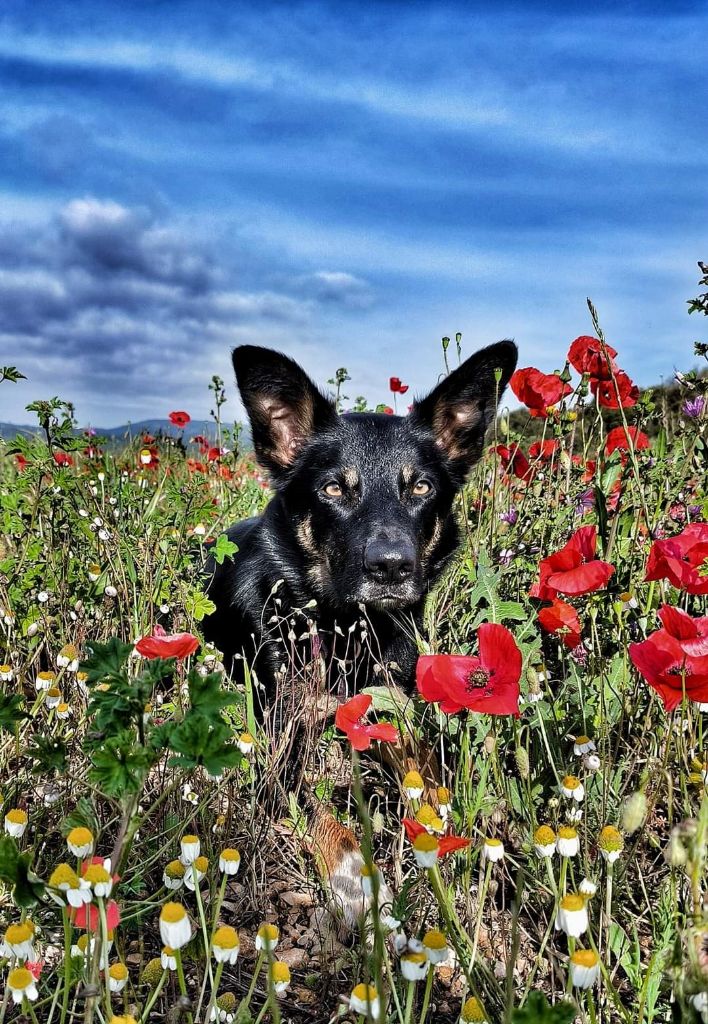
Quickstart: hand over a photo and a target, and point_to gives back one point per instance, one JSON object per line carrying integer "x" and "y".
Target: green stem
{"x": 246, "y": 1001}
{"x": 409, "y": 1001}
{"x": 427, "y": 994}
{"x": 214, "y": 991}
{"x": 103, "y": 955}
{"x": 480, "y": 911}
{"x": 67, "y": 965}
{"x": 153, "y": 998}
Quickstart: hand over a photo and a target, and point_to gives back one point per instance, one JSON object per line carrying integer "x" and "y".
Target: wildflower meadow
{"x": 532, "y": 821}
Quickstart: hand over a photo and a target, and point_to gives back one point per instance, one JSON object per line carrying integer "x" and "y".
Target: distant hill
{"x": 127, "y": 430}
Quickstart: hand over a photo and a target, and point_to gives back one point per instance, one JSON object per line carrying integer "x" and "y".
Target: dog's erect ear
{"x": 284, "y": 406}
{"x": 461, "y": 407}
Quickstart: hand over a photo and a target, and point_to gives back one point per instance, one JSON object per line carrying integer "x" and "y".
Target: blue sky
{"x": 345, "y": 182}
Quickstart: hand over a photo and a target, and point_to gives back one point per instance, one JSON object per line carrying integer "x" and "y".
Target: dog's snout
{"x": 389, "y": 561}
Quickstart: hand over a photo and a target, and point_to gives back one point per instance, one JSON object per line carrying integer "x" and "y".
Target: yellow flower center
{"x": 472, "y": 1011}
{"x": 46, "y": 677}
{"x": 571, "y": 782}
{"x": 585, "y": 958}
{"x": 443, "y": 795}
{"x": 16, "y": 816}
{"x": 63, "y": 874}
{"x": 62, "y": 708}
{"x": 246, "y": 737}
{"x": 434, "y": 939}
{"x": 365, "y": 993}
{"x": 425, "y": 843}
{"x": 229, "y": 854}
{"x": 429, "y": 817}
{"x": 581, "y": 740}
{"x": 175, "y": 869}
{"x": 415, "y": 958}
{"x": 492, "y": 842}
{"x": 566, "y": 832}
{"x": 18, "y": 933}
{"x": 413, "y": 780}
{"x": 172, "y": 913}
{"x": 202, "y": 864}
{"x": 189, "y": 840}
{"x": 610, "y": 839}
{"x": 19, "y": 979}
{"x": 82, "y": 942}
{"x": 69, "y": 651}
{"x": 119, "y": 972}
{"x": 53, "y": 691}
{"x": 80, "y": 837}
{"x": 572, "y": 902}
{"x": 268, "y": 932}
{"x": 544, "y": 835}
{"x": 96, "y": 874}
{"x": 280, "y": 972}
{"x": 225, "y": 937}
{"x": 5, "y": 668}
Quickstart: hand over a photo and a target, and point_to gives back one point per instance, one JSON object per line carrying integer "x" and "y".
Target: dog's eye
{"x": 421, "y": 488}
{"x": 332, "y": 489}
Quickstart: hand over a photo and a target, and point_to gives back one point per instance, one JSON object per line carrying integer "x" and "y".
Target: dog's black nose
{"x": 389, "y": 561}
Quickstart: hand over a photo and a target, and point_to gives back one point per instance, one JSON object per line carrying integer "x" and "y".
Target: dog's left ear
{"x": 459, "y": 410}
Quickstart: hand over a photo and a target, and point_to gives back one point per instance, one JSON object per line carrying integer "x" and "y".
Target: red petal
{"x": 383, "y": 731}
{"x": 413, "y": 828}
{"x": 448, "y": 844}
{"x": 583, "y": 580}
{"x": 499, "y": 655}
{"x": 352, "y": 711}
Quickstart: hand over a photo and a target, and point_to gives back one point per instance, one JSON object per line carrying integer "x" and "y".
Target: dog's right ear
{"x": 284, "y": 406}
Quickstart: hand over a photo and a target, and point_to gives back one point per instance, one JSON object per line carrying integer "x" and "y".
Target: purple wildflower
{"x": 693, "y": 407}
{"x": 510, "y": 516}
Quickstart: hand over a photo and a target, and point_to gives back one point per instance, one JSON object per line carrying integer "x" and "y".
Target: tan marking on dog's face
{"x": 351, "y": 477}
{"x": 431, "y": 544}
{"x": 407, "y": 473}
{"x": 306, "y": 536}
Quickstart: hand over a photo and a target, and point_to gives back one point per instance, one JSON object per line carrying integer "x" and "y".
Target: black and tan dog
{"x": 329, "y": 583}
{"x": 361, "y": 525}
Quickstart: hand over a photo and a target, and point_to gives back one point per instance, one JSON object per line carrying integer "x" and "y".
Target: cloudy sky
{"x": 346, "y": 182}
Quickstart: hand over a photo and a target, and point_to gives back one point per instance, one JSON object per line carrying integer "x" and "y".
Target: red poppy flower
{"x": 446, "y": 844}
{"x": 200, "y": 439}
{"x": 21, "y": 462}
{"x": 624, "y": 440}
{"x": 544, "y": 450}
{"x": 396, "y": 386}
{"x": 488, "y": 683}
{"x": 62, "y": 459}
{"x": 680, "y": 559}
{"x": 34, "y": 967}
{"x": 606, "y": 393}
{"x": 196, "y": 467}
{"x": 586, "y": 356}
{"x": 387, "y": 410}
{"x": 349, "y": 720}
{"x": 180, "y": 418}
{"x": 539, "y": 391}
{"x": 163, "y": 645}
{"x": 213, "y": 454}
{"x": 691, "y": 634}
{"x": 574, "y": 569}
{"x": 148, "y": 439}
{"x": 668, "y": 669}
{"x": 514, "y": 461}
{"x": 87, "y": 916}
{"x": 560, "y": 617}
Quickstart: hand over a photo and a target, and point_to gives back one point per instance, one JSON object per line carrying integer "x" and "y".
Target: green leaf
{"x": 198, "y": 742}
{"x": 484, "y": 595}
{"x": 27, "y": 888}
{"x": 224, "y": 548}
{"x": 82, "y": 816}
{"x": 120, "y": 765}
{"x": 48, "y": 754}
{"x": 10, "y": 712}
{"x": 198, "y": 605}
{"x": 536, "y": 1010}
{"x": 106, "y": 661}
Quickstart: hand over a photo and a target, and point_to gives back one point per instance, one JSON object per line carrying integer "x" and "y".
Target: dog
{"x": 360, "y": 527}
{"x": 335, "y": 572}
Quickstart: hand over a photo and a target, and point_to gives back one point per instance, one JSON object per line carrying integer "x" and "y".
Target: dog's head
{"x": 367, "y": 497}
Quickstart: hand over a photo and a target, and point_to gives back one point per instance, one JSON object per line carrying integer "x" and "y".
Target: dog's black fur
{"x": 360, "y": 527}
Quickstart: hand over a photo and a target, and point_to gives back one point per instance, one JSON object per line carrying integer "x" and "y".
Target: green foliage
{"x": 11, "y": 373}
{"x": 537, "y": 1010}
{"x": 15, "y": 870}
{"x": 223, "y": 549}
{"x": 11, "y": 711}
